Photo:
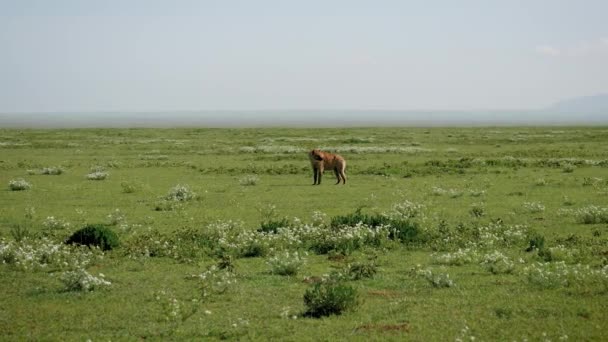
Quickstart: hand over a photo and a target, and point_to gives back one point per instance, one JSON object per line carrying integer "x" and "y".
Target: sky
{"x": 152, "y": 55}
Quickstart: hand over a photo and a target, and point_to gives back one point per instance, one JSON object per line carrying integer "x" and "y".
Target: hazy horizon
{"x": 298, "y": 118}
{"x": 155, "y": 55}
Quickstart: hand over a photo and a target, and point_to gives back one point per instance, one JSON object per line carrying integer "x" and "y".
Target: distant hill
{"x": 566, "y": 114}
{"x": 596, "y": 104}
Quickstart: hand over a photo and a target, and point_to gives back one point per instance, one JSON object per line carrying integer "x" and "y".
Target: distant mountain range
{"x": 586, "y": 104}
{"x": 589, "y": 110}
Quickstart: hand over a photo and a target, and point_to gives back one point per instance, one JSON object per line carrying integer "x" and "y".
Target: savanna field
{"x": 440, "y": 234}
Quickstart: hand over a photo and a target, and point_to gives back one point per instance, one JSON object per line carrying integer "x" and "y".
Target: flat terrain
{"x": 505, "y": 238}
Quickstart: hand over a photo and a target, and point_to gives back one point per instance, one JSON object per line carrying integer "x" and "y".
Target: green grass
{"x": 496, "y": 167}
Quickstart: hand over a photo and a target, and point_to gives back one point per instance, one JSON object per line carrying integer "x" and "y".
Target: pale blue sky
{"x": 121, "y": 55}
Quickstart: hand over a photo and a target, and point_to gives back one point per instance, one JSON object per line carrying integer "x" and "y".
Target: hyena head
{"x": 316, "y": 155}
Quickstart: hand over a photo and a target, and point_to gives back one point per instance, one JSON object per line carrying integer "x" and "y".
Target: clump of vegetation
{"x": 457, "y": 258}
{"x": 129, "y": 187}
{"x": 286, "y": 263}
{"x": 559, "y": 274}
{"x": 19, "y": 185}
{"x": 537, "y": 243}
{"x": 560, "y": 253}
{"x": 272, "y": 226}
{"x": 437, "y": 280}
{"x": 52, "y": 171}
{"x": 477, "y": 210}
{"x": 174, "y": 199}
{"x": 327, "y": 298}
{"x": 591, "y": 215}
{"x": 497, "y": 263}
{"x": 533, "y": 207}
{"x": 249, "y": 180}
{"x": 216, "y": 281}
{"x": 400, "y": 229}
{"x": 96, "y": 235}
{"x": 97, "y": 175}
{"x": 81, "y": 280}
{"x": 180, "y": 193}
{"x": 568, "y": 168}
{"x": 361, "y": 269}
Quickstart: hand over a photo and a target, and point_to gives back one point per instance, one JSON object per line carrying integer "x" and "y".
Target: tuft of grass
{"x": 249, "y": 180}
{"x": 180, "y": 193}
{"x": 19, "y": 185}
{"x": 52, "y": 171}
{"x": 97, "y": 175}
{"x": 286, "y": 263}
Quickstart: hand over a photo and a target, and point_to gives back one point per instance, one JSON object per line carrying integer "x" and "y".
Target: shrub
{"x": 249, "y": 180}
{"x": 403, "y": 230}
{"x": 591, "y": 215}
{"x": 52, "y": 171}
{"x": 497, "y": 263}
{"x": 254, "y": 248}
{"x": 286, "y": 264}
{"x": 558, "y": 274}
{"x": 435, "y": 279}
{"x": 129, "y": 187}
{"x": 216, "y": 281}
{"x": 44, "y": 254}
{"x": 568, "y": 168}
{"x": 97, "y": 175}
{"x": 272, "y": 226}
{"x": 560, "y": 253}
{"x": 360, "y": 270}
{"x": 477, "y": 210}
{"x": 19, "y": 185}
{"x": 95, "y": 235}
{"x": 537, "y": 242}
{"x": 329, "y": 298}
{"x": 81, "y": 280}
{"x": 534, "y": 207}
{"x": 148, "y": 243}
{"x": 460, "y": 257}
{"x": 180, "y": 193}
{"x": 406, "y": 210}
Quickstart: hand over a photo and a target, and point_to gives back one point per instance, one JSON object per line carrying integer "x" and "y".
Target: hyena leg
{"x": 315, "y": 175}
{"x": 320, "y": 175}
{"x": 343, "y": 175}
{"x": 337, "y": 175}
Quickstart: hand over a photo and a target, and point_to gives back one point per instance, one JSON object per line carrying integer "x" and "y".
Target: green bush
{"x": 19, "y": 185}
{"x": 329, "y": 298}
{"x": 95, "y": 235}
{"x": 272, "y": 226}
{"x": 405, "y": 231}
{"x": 537, "y": 243}
{"x": 359, "y": 217}
{"x": 360, "y": 270}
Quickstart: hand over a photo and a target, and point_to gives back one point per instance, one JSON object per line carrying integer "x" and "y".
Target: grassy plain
{"x": 475, "y": 190}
